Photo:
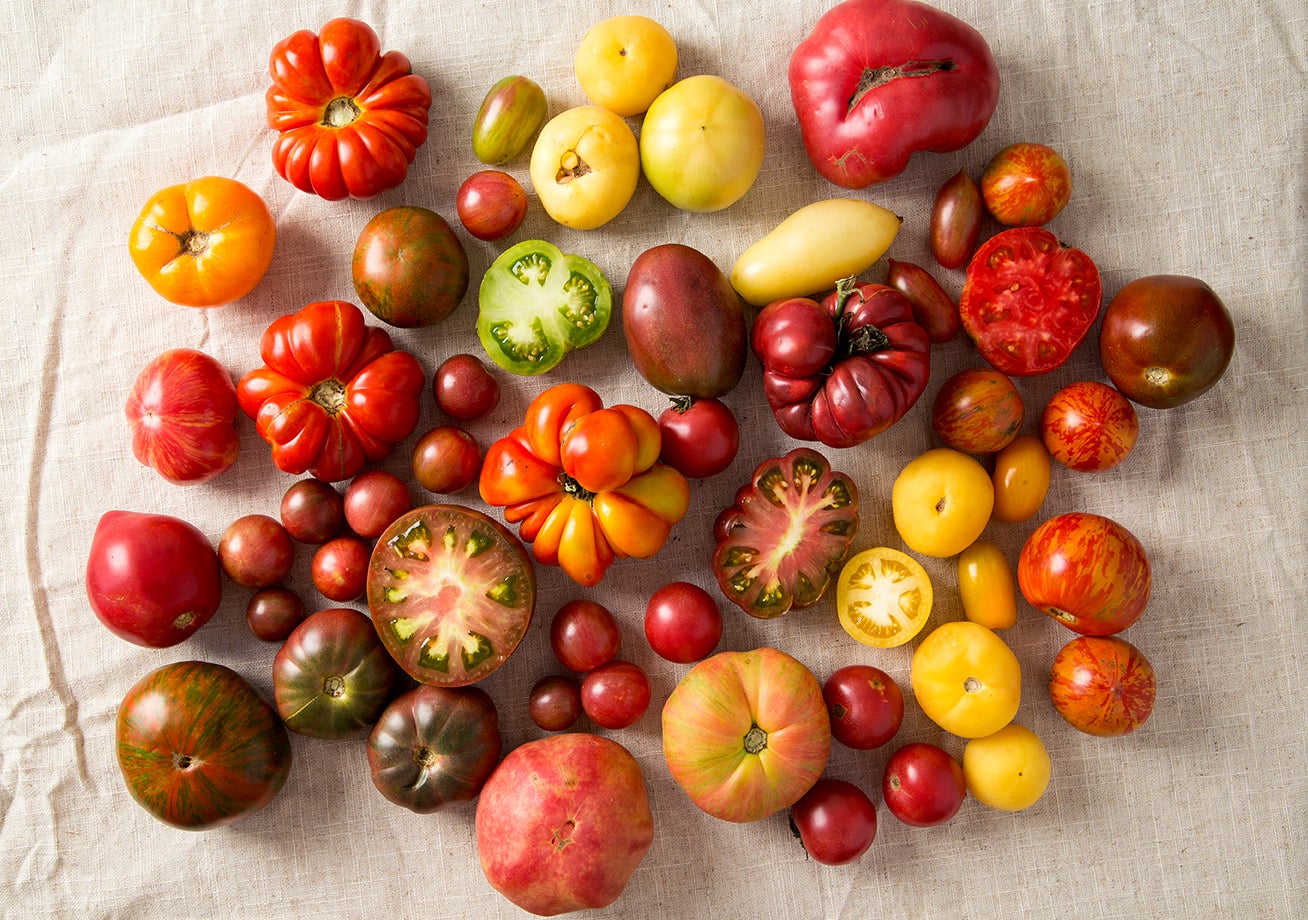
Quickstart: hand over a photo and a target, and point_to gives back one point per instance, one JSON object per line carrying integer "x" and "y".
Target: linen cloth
{"x": 1184, "y": 124}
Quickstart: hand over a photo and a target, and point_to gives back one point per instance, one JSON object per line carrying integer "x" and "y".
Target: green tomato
{"x": 585, "y": 166}
{"x": 510, "y": 115}
{"x": 537, "y": 304}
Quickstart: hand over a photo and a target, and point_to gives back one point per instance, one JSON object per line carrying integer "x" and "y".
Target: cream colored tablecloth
{"x": 1184, "y": 124}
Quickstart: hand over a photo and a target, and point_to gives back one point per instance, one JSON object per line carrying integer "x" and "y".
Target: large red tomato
{"x": 1103, "y": 685}
{"x": 333, "y": 393}
{"x": 182, "y": 411}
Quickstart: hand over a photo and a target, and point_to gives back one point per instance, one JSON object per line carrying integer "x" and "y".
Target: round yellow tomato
{"x": 585, "y": 166}
{"x": 1021, "y": 479}
{"x": 941, "y": 502}
{"x": 1008, "y": 770}
{"x": 966, "y": 679}
{"x": 883, "y": 597}
{"x": 623, "y": 63}
{"x": 702, "y": 143}
{"x": 986, "y": 586}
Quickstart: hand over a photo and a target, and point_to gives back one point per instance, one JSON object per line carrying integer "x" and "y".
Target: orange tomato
{"x": 1021, "y": 479}
{"x": 986, "y": 586}
{"x": 966, "y": 679}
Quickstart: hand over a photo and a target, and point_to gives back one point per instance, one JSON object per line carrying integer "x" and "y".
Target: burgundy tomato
{"x": 555, "y": 702}
{"x": 312, "y": 511}
{"x": 682, "y": 622}
{"x": 933, "y": 309}
{"x": 865, "y": 704}
{"x": 584, "y": 635}
{"x": 923, "y": 785}
{"x": 273, "y": 613}
{"x": 409, "y": 267}
{"x": 373, "y": 500}
{"x": 700, "y": 437}
{"x": 446, "y": 459}
{"x": 465, "y": 388}
{"x": 835, "y": 821}
{"x": 1089, "y": 426}
{"x": 256, "y": 551}
{"x": 491, "y": 204}
{"x": 1103, "y": 685}
{"x": 956, "y": 218}
{"x": 615, "y": 695}
{"x": 152, "y": 579}
{"x": 198, "y": 747}
{"x": 340, "y": 569}
{"x": 1026, "y": 185}
{"x": 977, "y": 411}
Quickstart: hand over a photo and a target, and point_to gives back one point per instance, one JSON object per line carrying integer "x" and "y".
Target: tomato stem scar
{"x": 874, "y": 77}
{"x": 340, "y": 112}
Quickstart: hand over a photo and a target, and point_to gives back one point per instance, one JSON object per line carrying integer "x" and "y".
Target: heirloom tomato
{"x": 1028, "y": 301}
{"x": 700, "y": 437}
{"x": 1086, "y": 571}
{"x": 256, "y": 551}
{"x": 1026, "y": 185}
{"x": 844, "y": 370}
{"x": 682, "y": 622}
{"x": 923, "y": 785}
{"x": 966, "y": 679}
{"x": 585, "y": 166}
{"x": 584, "y": 483}
{"x": 584, "y": 635}
{"x": 182, "y": 411}
{"x": 615, "y": 695}
{"x": 941, "y": 502}
{"x": 373, "y": 500}
{"x": 198, "y": 747}
{"x": 435, "y": 747}
{"x": 555, "y": 702}
{"x": 409, "y": 268}
{"x": 835, "y": 821}
{"x": 1008, "y": 770}
{"x": 349, "y": 119}
{"x": 451, "y": 593}
{"x": 464, "y": 388}
{"x": 1103, "y": 685}
{"x": 340, "y": 568}
{"x": 1020, "y": 479}
{"x": 510, "y": 115}
{"x": 312, "y": 511}
{"x": 883, "y": 597}
{"x": 787, "y": 535}
{"x": 624, "y": 62}
{"x": 956, "y": 217}
{"x": 332, "y": 394}
{"x": 1089, "y": 426}
{"x": 865, "y": 704}
{"x": 446, "y": 459}
{"x": 933, "y": 309}
{"x": 977, "y": 411}
{"x": 273, "y": 613}
{"x": 746, "y": 734}
{"x": 491, "y": 204}
{"x": 986, "y": 587}
{"x": 204, "y": 243}
{"x": 879, "y": 80}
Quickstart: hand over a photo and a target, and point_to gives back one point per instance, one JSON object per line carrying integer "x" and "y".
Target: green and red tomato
{"x": 511, "y": 113}
{"x": 491, "y": 204}
{"x": 409, "y": 268}
{"x": 977, "y": 411}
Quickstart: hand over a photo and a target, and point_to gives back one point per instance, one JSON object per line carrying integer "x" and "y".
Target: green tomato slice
{"x": 537, "y": 304}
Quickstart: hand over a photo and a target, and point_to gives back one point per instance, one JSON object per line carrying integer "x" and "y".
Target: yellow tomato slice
{"x": 883, "y": 597}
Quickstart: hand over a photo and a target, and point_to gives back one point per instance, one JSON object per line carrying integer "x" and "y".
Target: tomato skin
{"x": 373, "y": 500}
{"x": 182, "y": 411}
{"x": 933, "y": 309}
{"x": 584, "y": 635}
{"x": 1008, "y": 770}
{"x": 682, "y": 622}
{"x": 408, "y": 268}
{"x": 956, "y": 217}
{"x": 273, "y": 613}
{"x": 340, "y": 569}
{"x": 256, "y": 551}
{"x": 835, "y": 821}
{"x": 446, "y": 460}
{"x": 986, "y": 586}
{"x": 464, "y": 388}
{"x": 977, "y": 411}
{"x": 923, "y": 785}
{"x": 865, "y": 704}
{"x": 512, "y": 112}
{"x": 625, "y": 62}
{"x": 1020, "y": 479}
{"x": 555, "y": 702}
{"x": 1103, "y": 686}
{"x": 699, "y": 440}
{"x": 966, "y": 679}
{"x": 491, "y": 204}
{"x": 615, "y": 695}
{"x": 941, "y": 502}
{"x": 1087, "y": 572}
{"x": 1026, "y": 185}
{"x": 312, "y": 511}
{"x": 1089, "y": 426}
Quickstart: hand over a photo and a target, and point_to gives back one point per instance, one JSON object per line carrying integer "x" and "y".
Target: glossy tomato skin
{"x": 865, "y": 704}
{"x": 1026, "y": 185}
{"x": 956, "y": 217}
{"x": 700, "y": 437}
{"x": 625, "y": 62}
{"x": 510, "y": 115}
{"x": 1086, "y": 571}
{"x": 182, "y": 411}
{"x": 923, "y": 785}
{"x": 152, "y": 579}
{"x": 464, "y": 388}
{"x": 256, "y": 551}
{"x": 836, "y": 822}
{"x": 554, "y": 703}
{"x": 409, "y": 268}
{"x": 1103, "y": 685}
{"x": 491, "y": 204}
{"x": 340, "y": 568}
{"x": 584, "y": 635}
{"x": 373, "y": 500}
{"x": 966, "y": 679}
{"x": 933, "y": 309}
{"x": 198, "y": 747}
{"x": 682, "y": 622}
{"x": 1089, "y": 426}
{"x": 446, "y": 460}
{"x": 312, "y": 511}
{"x": 615, "y": 695}
{"x": 273, "y": 613}
{"x": 1020, "y": 479}
{"x": 977, "y": 411}
{"x": 1166, "y": 339}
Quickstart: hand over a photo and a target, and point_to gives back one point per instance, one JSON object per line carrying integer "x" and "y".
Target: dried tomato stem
{"x": 574, "y": 488}
{"x": 874, "y": 77}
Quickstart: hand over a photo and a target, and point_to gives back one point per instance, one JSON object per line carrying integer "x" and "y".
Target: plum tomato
{"x": 986, "y": 586}
{"x": 312, "y": 511}
{"x": 555, "y": 702}
{"x": 409, "y": 268}
{"x": 977, "y": 411}
{"x": 256, "y": 551}
{"x": 1008, "y": 770}
{"x": 700, "y": 437}
{"x": 584, "y": 635}
{"x": 373, "y": 500}
{"x": 464, "y": 388}
{"x": 941, "y": 501}
{"x": 446, "y": 459}
{"x": 340, "y": 568}
{"x": 1089, "y": 426}
{"x": 1103, "y": 685}
{"x": 1026, "y": 185}
{"x": 956, "y": 217}
{"x": 933, "y": 309}
{"x": 510, "y": 115}
{"x": 491, "y": 204}
{"x": 1020, "y": 479}
{"x": 865, "y": 704}
{"x": 272, "y": 613}
{"x": 966, "y": 679}
{"x": 883, "y": 597}
{"x": 682, "y": 622}
{"x": 625, "y": 62}
{"x": 923, "y": 785}
{"x": 584, "y": 166}
{"x": 615, "y": 695}
{"x": 835, "y": 821}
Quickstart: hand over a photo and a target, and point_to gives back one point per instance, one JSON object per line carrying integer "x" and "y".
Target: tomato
{"x": 923, "y": 785}
{"x": 491, "y": 204}
{"x": 409, "y": 268}
{"x": 446, "y": 460}
{"x": 204, "y": 243}
{"x": 373, "y": 500}
{"x": 977, "y": 411}
{"x": 1103, "y": 685}
{"x": 702, "y": 143}
{"x": 865, "y": 704}
{"x": 464, "y": 389}
{"x": 1166, "y": 339}
{"x": 787, "y": 535}
{"x": 624, "y": 62}
{"x": 198, "y": 747}
{"x": 956, "y": 217}
{"x": 152, "y": 579}
{"x": 510, "y": 115}
{"x": 435, "y": 747}
{"x": 600, "y": 450}
{"x": 332, "y": 393}
{"x": 555, "y": 703}
{"x": 1086, "y": 571}
{"x": 1089, "y": 426}
{"x": 256, "y": 551}
{"x": 349, "y": 119}
{"x": 845, "y": 370}
{"x": 746, "y": 734}
{"x": 615, "y": 695}
{"x": 1026, "y": 185}
{"x": 1028, "y": 301}
{"x": 941, "y": 502}
{"x": 933, "y": 309}
{"x": 182, "y": 411}
{"x": 986, "y": 586}
{"x": 883, "y": 597}
{"x": 273, "y": 613}
{"x": 1020, "y": 479}
{"x": 537, "y": 304}
{"x": 966, "y": 679}
{"x": 835, "y": 821}
{"x": 1008, "y": 770}
{"x": 879, "y": 80}
{"x": 813, "y": 248}
{"x": 682, "y": 622}
{"x": 451, "y": 593}
{"x": 584, "y": 635}
{"x": 312, "y": 511}
{"x": 700, "y": 437}
{"x": 340, "y": 569}
{"x": 333, "y": 676}
{"x": 585, "y": 166}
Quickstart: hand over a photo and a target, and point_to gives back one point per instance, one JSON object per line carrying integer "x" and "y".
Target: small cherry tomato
{"x": 923, "y": 785}
{"x": 615, "y": 695}
{"x": 555, "y": 702}
{"x": 256, "y": 551}
{"x": 584, "y": 635}
{"x": 700, "y": 437}
{"x": 977, "y": 411}
{"x": 1089, "y": 426}
{"x": 1008, "y": 770}
{"x": 986, "y": 586}
{"x": 340, "y": 569}
{"x": 312, "y": 511}
{"x": 865, "y": 704}
{"x": 273, "y": 613}
{"x": 1103, "y": 685}
{"x": 373, "y": 500}
{"x": 682, "y": 622}
{"x": 464, "y": 388}
{"x": 835, "y": 821}
{"x": 1026, "y": 185}
{"x": 491, "y": 204}
{"x": 1020, "y": 479}
{"x": 956, "y": 218}
{"x": 446, "y": 459}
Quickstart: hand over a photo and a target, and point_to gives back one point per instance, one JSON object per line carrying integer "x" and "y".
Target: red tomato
{"x": 599, "y": 450}
{"x": 584, "y": 635}
{"x": 340, "y": 569}
{"x": 555, "y": 703}
{"x": 933, "y": 309}
{"x": 446, "y": 460}
{"x": 700, "y": 437}
{"x": 1103, "y": 685}
{"x": 409, "y": 269}
{"x": 835, "y": 821}
{"x": 1026, "y": 185}
{"x": 312, "y": 511}
{"x": 256, "y": 551}
{"x": 182, "y": 411}
{"x": 682, "y": 622}
{"x": 491, "y": 204}
{"x": 615, "y": 695}
{"x": 1089, "y": 426}
{"x": 865, "y": 704}
{"x": 464, "y": 388}
{"x": 956, "y": 217}
{"x": 923, "y": 785}
{"x": 373, "y": 500}
{"x": 977, "y": 411}
{"x": 273, "y": 613}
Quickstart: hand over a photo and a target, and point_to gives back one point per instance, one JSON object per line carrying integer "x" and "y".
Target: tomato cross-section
{"x": 883, "y": 597}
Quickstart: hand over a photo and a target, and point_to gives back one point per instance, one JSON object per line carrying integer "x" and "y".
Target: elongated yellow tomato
{"x": 883, "y": 597}
{"x": 1021, "y": 479}
{"x": 624, "y": 62}
{"x": 813, "y": 248}
{"x": 1008, "y": 770}
{"x": 966, "y": 679}
{"x": 584, "y": 166}
{"x": 986, "y": 586}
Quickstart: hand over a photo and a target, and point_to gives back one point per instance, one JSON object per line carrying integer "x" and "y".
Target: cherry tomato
{"x": 956, "y": 217}
{"x": 615, "y": 695}
{"x": 986, "y": 586}
{"x": 1008, "y": 770}
{"x": 373, "y": 500}
{"x": 273, "y": 613}
{"x": 491, "y": 204}
{"x": 256, "y": 551}
{"x": 555, "y": 702}
{"x": 340, "y": 569}
{"x": 312, "y": 511}
{"x": 933, "y": 309}
{"x": 464, "y": 388}
{"x": 1020, "y": 479}
{"x": 966, "y": 679}
{"x": 510, "y": 115}
{"x": 700, "y": 437}
{"x": 1103, "y": 685}
{"x": 835, "y": 821}
{"x": 923, "y": 785}
{"x": 883, "y": 597}
{"x": 1089, "y": 426}
{"x": 446, "y": 459}
{"x": 682, "y": 622}
{"x": 584, "y": 635}
{"x": 1026, "y": 185}
{"x": 865, "y": 704}
{"x": 977, "y": 411}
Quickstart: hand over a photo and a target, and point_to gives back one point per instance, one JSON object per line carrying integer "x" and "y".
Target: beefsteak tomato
{"x": 182, "y": 411}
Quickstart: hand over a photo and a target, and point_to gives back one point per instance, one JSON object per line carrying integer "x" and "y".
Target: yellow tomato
{"x": 812, "y": 249}
{"x": 941, "y": 502}
{"x": 986, "y": 586}
{"x": 623, "y": 63}
{"x": 883, "y": 597}
{"x": 585, "y": 166}
{"x": 1021, "y": 479}
{"x": 1008, "y": 770}
{"x": 966, "y": 679}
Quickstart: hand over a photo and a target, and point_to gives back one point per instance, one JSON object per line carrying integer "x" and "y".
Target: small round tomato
{"x": 340, "y": 569}
{"x": 446, "y": 459}
{"x": 555, "y": 702}
{"x": 584, "y": 635}
{"x": 409, "y": 267}
{"x": 835, "y": 821}
{"x": 272, "y": 613}
{"x": 933, "y": 309}
{"x": 464, "y": 388}
{"x": 491, "y": 204}
{"x": 682, "y": 622}
{"x": 883, "y": 597}
{"x": 182, "y": 411}
{"x": 956, "y": 218}
{"x": 941, "y": 502}
{"x": 1008, "y": 770}
{"x": 1026, "y": 185}
{"x": 865, "y": 704}
{"x": 923, "y": 785}
{"x": 312, "y": 511}
{"x": 615, "y": 695}
{"x": 700, "y": 437}
{"x": 1103, "y": 685}
{"x": 256, "y": 551}
{"x": 584, "y": 166}
{"x": 510, "y": 115}
{"x": 624, "y": 62}
{"x": 977, "y": 411}
{"x": 1020, "y": 479}
{"x": 966, "y": 679}
{"x": 1089, "y": 426}
{"x": 986, "y": 586}
{"x": 373, "y": 500}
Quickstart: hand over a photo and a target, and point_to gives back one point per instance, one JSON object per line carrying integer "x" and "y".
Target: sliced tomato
{"x": 883, "y": 597}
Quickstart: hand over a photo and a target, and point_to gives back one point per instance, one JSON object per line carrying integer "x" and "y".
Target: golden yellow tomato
{"x": 1021, "y": 479}
{"x": 883, "y": 597}
{"x": 1008, "y": 770}
{"x": 986, "y": 586}
{"x": 941, "y": 502}
{"x": 966, "y": 679}
{"x": 623, "y": 63}
{"x": 585, "y": 166}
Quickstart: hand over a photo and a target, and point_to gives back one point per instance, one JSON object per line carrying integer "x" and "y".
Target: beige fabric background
{"x": 1184, "y": 124}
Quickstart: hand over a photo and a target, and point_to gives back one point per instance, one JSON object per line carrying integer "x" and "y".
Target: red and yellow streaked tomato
{"x": 1103, "y": 685}
{"x": 1089, "y": 426}
{"x": 977, "y": 411}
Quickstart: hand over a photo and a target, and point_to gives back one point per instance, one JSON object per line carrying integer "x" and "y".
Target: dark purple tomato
{"x": 491, "y": 204}
{"x": 464, "y": 388}
{"x": 923, "y": 785}
{"x": 312, "y": 511}
{"x": 340, "y": 569}
{"x": 682, "y": 622}
{"x": 373, "y": 500}
{"x": 835, "y": 821}
{"x": 584, "y": 635}
{"x": 256, "y": 551}
{"x": 700, "y": 437}
{"x": 865, "y": 704}
{"x": 409, "y": 268}
{"x": 555, "y": 702}
{"x": 273, "y": 613}
{"x": 446, "y": 460}
{"x": 615, "y": 695}
{"x": 933, "y": 309}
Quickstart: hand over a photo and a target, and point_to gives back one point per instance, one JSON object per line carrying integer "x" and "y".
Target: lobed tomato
{"x": 865, "y": 704}
{"x": 835, "y": 821}
{"x": 923, "y": 785}
{"x": 584, "y": 166}
{"x": 1103, "y": 685}
{"x": 182, "y": 411}
{"x": 977, "y": 411}
{"x": 1089, "y": 426}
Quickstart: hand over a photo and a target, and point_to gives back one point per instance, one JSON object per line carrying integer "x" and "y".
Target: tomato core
{"x": 972, "y": 685}
{"x": 183, "y": 761}
{"x": 334, "y": 686}
{"x": 755, "y": 740}
{"x": 184, "y": 619}
{"x": 330, "y": 394}
{"x": 424, "y": 757}
{"x": 571, "y": 166}
{"x": 562, "y": 835}
{"x": 193, "y": 242}
{"x": 340, "y": 112}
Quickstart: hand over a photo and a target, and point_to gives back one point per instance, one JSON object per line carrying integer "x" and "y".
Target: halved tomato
{"x": 883, "y": 597}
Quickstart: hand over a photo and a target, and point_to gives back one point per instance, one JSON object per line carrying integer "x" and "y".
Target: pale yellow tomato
{"x": 1021, "y": 479}
{"x": 986, "y": 586}
{"x": 883, "y": 597}
{"x": 702, "y": 143}
{"x": 966, "y": 679}
{"x": 585, "y": 166}
{"x": 1008, "y": 770}
{"x": 941, "y": 502}
{"x": 623, "y": 63}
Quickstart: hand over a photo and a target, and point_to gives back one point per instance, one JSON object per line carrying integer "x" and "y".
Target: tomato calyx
{"x": 340, "y": 112}
{"x": 875, "y": 77}
{"x": 330, "y": 394}
{"x": 756, "y": 740}
{"x": 575, "y": 489}
{"x": 861, "y": 341}
{"x": 571, "y": 166}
